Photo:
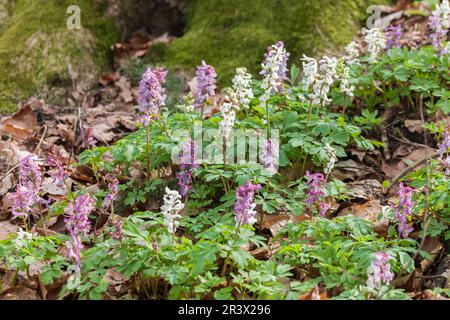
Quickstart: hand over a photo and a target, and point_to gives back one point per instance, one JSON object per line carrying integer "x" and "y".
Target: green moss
{"x": 38, "y": 52}
{"x": 230, "y": 34}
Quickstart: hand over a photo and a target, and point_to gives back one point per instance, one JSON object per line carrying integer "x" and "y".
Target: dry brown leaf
{"x": 314, "y": 295}
{"x": 20, "y": 293}
{"x": 365, "y": 189}
{"x": 433, "y": 246}
{"x": 21, "y": 124}
{"x": 393, "y": 167}
{"x": 350, "y": 170}
{"x": 414, "y": 126}
{"x": 369, "y": 211}
{"x": 7, "y": 228}
{"x": 108, "y": 78}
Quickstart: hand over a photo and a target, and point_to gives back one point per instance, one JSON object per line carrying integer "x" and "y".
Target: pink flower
{"x": 206, "y": 83}
{"x": 244, "y": 206}
{"x": 90, "y": 137}
{"x": 77, "y": 224}
{"x": 269, "y": 155}
{"x": 393, "y": 36}
{"x": 316, "y": 192}
{"x": 55, "y": 161}
{"x": 118, "y": 232}
{"x": 113, "y": 185}
{"x": 152, "y": 95}
{"x": 404, "y": 210}
{"x": 379, "y": 271}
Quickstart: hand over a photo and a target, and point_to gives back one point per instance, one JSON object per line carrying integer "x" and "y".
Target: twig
{"x": 9, "y": 172}
{"x": 72, "y": 149}
{"x": 426, "y": 218}
{"x": 408, "y": 169}
{"x": 37, "y": 150}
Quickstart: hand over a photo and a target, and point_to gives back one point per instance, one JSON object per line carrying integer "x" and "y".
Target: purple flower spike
{"x": 244, "y": 206}
{"x": 189, "y": 155}
{"x": 30, "y": 174}
{"x": 404, "y": 210}
{"x": 444, "y": 145}
{"x": 55, "y": 161}
{"x": 393, "y": 36}
{"x": 27, "y": 191}
{"x": 188, "y": 163}
{"x": 90, "y": 137}
{"x": 316, "y": 192}
{"x": 77, "y": 224}
{"x": 269, "y": 155}
{"x": 113, "y": 185}
{"x": 438, "y": 23}
{"x": 379, "y": 271}
{"x": 184, "y": 182}
{"x": 206, "y": 84}
{"x": 152, "y": 95}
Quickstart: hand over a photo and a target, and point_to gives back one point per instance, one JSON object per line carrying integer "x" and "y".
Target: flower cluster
{"x": 171, "y": 208}
{"x": 244, "y": 206}
{"x": 77, "y": 224}
{"x": 118, "y": 231}
{"x": 188, "y": 163}
{"x": 22, "y": 238}
{"x": 89, "y": 136}
{"x": 242, "y": 86}
{"x": 206, "y": 84}
{"x": 439, "y": 25}
{"x": 113, "y": 187}
{"x": 310, "y": 68}
{"x": 324, "y": 80}
{"x": 403, "y": 210}
{"x": 228, "y": 118}
{"x": 55, "y": 161}
{"x": 331, "y": 152}
{"x": 393, "y": 36}
{"x": 376, "y": 43}
{"x": 269, "y": 155}
{"x": 316, "y": 192}
{"x": 352, "y": 53}
{"x": 379, "y": 271}
{"x": 274, "y": 70}
{"x": 152, "y": 95}
{"x": 343, "y": 74}
{"x": 444, "y": 145}
{"x": 444, "y": 148}
{"x": 27, "y": 191}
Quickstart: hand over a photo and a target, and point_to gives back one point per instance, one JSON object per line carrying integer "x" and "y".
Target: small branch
{"x": 408, "y": 169}
{"x": 37, "y": 150}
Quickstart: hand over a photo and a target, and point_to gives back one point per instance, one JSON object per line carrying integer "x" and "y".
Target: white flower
{"x": 324, "y": 80}
{"x": 242, "y": 86}
{"x": 376, "y": 42}
{"x": 271, "y": 69}
{"x": 344, "y": 76}
{"x": 251, "y": 214}
{"x": 170, "y": 209}
{"x": 331, "y": 152}
{"x": 444, "y": 12}
{"x": 352, "y": 53}
{"x": 310, "y": 68}
{"x": 22, "y": 238}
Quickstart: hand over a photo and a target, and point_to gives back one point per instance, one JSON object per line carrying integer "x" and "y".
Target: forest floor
{"x": 109, "y": 111}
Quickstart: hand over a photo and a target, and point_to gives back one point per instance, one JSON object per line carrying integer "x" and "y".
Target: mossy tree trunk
{"x": 38, "y": 53}
{"x": 231, "y": 34}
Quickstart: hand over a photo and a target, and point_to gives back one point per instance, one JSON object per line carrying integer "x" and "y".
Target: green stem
{"x": 147, "y": 129}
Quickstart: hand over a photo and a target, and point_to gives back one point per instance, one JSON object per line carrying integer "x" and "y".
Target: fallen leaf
{"x": 7, "y": 228}
{"x": 314, "y": 295}
{"x": 21, "y": 124}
